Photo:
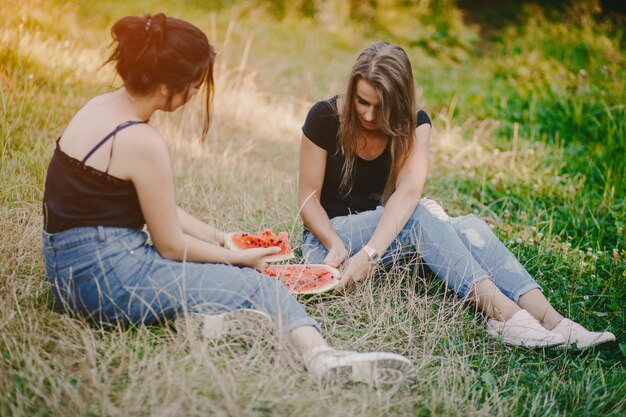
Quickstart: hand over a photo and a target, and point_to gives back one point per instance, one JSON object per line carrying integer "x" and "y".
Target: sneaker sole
{"x": 371, "y": 368}
{"x": 243, "y": 324}
{"x": 595, "y": 343}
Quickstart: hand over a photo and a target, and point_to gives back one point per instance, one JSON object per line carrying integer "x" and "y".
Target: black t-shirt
{"x": 370, "y": 177}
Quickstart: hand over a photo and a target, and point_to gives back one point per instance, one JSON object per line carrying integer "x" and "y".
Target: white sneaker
{"x": 523, "y": 330}
{"x": 328, "y": 365}
{"x": 577, "y": 336}
{"x": 245, "y": 324}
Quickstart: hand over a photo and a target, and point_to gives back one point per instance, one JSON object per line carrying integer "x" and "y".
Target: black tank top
{"x": 77, "y": 195}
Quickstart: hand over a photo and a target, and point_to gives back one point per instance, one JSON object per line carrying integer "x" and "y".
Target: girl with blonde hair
{"x": 363, "y": 165}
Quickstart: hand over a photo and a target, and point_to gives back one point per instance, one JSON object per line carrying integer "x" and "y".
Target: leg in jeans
{"x": 494, "y": 258}
{"x": 446, "y": 251}
{"x": 113, "y": 276}
{"x": 462, "y": 251}
{"x": 511, "y": 283}
{"x": 501, "y": 265}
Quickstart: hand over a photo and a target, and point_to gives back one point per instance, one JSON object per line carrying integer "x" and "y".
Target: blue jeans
{"x": 460, "y": 250}
{"x": 112, "y": 275}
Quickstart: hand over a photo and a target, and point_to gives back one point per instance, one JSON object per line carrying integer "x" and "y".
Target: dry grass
{"x": 56, "y": 365}
{"x": 242, "y": 177}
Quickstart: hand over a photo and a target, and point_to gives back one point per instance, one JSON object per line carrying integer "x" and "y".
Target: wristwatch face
{"x": 375, "y": 258}
{"x": 372, "y": 254}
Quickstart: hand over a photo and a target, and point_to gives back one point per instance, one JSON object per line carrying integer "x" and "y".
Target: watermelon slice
{"x": 264, "y": 239}
{"x": 305, "y": 279}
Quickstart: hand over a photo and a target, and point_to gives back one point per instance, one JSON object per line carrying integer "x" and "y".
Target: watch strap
{"x": 372, "y": 254}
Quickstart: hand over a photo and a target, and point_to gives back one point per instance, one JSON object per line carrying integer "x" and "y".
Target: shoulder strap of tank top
{"x": 109, "y": 136}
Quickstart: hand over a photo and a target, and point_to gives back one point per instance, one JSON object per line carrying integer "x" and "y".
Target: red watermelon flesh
{"x": 305, "y": 279}
{"x": 264, "y": 239}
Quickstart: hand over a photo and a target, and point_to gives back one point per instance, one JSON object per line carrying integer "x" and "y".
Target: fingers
{"x": 262, "y": 253}
{"x": 346, "y": 278}
{"x": 335, "y": 258}
{"x": 344, "y": 281}
{"x": 271, "y": 250}
{"x": 259, "y": 264}
{"x": 355, "y": 270}
{"x": 255, "y": 257}
{"x": 332, "y": 261}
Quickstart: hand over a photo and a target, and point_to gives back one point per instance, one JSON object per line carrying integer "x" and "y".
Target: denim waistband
{"x": 80, "y": 235}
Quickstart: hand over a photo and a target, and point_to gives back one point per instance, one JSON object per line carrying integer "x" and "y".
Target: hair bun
{"x": 155, "y": 26}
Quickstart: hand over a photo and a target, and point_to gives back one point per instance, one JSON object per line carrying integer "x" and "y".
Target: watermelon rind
{"x": 320, "y": 289}
{"x": 229, "y": 243}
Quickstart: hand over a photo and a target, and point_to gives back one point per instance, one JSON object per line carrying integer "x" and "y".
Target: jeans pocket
{"x": 93, "y": 290}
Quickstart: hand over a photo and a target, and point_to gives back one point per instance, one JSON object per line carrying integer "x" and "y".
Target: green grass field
{"x": 529, "y": 134}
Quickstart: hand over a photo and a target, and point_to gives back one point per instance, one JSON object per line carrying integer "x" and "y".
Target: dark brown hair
{"x": 387, "y": 68}
{"x": 153, "y": 50}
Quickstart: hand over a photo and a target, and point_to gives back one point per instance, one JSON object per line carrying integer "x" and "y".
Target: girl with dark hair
{"x": 363, "y": 165}
{"x": 110, "y": 175}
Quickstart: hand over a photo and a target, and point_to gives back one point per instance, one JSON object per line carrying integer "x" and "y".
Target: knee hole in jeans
{"x": 473, "y": 237}
{"x": 470, "y": 226}
{"x": 436, "y": 210}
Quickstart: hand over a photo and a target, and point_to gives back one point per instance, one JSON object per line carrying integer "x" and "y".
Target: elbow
{"x": 305, "y": 195}
{"x": 175, "y": 252}
{"x": 170, "y": 254}
{"x": 410, "y": 195}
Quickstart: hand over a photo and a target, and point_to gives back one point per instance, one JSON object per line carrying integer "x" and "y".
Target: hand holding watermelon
{"x": 256, "y": 257}
{"x": 337, "y": 254}
{"x": 355, "y": 269}
{"x": 264, "y": 239}
{"x": 265, "y": 246}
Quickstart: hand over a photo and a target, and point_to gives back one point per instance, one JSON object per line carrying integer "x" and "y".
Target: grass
{"x": 563, "y": 218}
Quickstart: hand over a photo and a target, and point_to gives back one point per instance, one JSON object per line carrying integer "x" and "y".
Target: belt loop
{"x": 46, "y": 237}
{"x": 101, "y": 236}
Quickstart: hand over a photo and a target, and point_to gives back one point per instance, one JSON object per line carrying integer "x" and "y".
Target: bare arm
{"x": 398, "y": 209}
{"x": 146, "y": 160}
{"x": 406, "y": 197}
{"x": 310, "y": 181}
{"x": 197, "y": 228}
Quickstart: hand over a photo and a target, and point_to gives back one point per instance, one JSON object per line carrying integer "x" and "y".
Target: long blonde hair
{"x": 387, "y": 68}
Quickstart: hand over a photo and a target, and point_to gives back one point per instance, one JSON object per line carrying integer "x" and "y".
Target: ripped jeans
{"x": 460, "y": 250}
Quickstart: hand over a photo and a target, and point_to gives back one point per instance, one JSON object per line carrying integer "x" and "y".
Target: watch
{"x": 372, "y": 254}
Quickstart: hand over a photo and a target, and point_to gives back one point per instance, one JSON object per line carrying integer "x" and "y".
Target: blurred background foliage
{"x": 553, "y": 70}
{"x": 554, "y": 67}
{"x": 550, "y": 71}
